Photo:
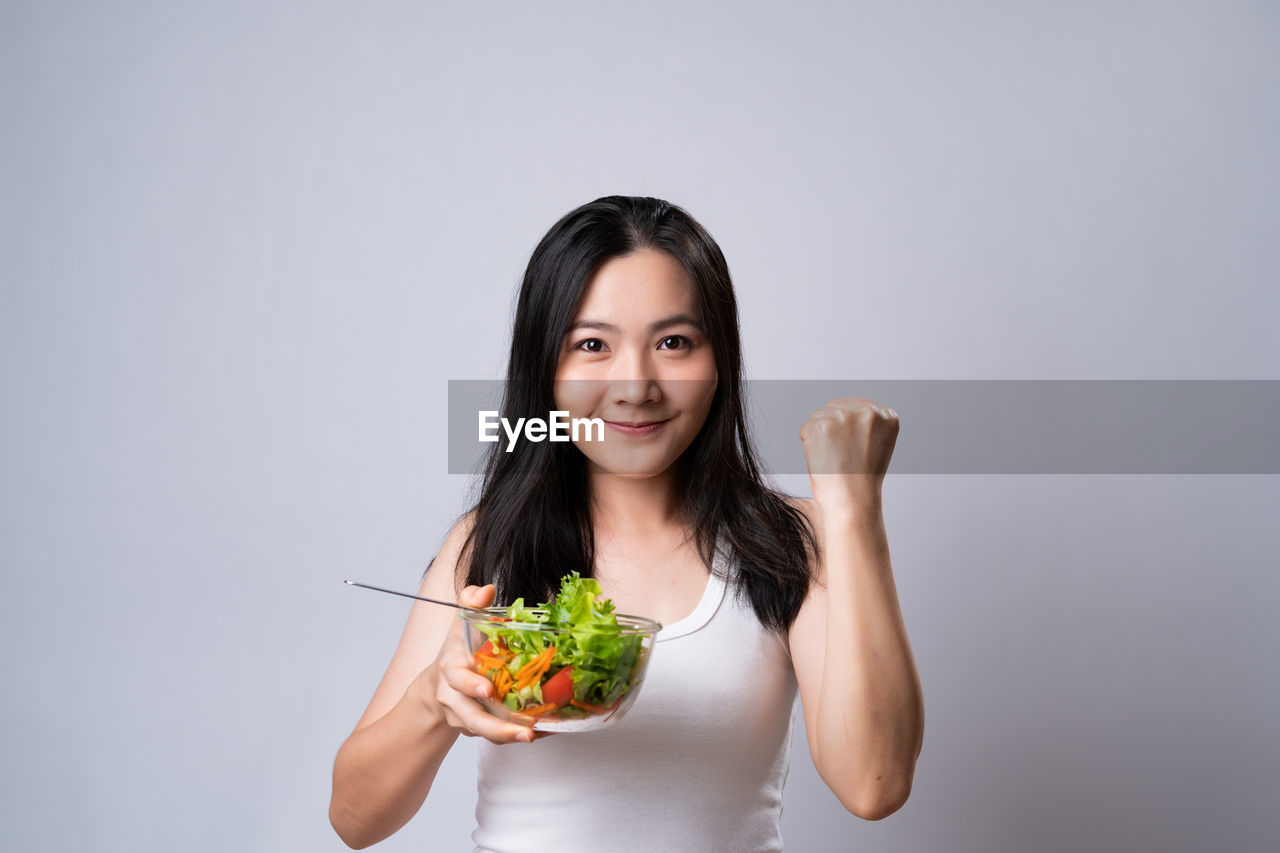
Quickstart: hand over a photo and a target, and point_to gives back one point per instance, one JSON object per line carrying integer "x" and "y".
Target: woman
{"x": 627, "y": 313}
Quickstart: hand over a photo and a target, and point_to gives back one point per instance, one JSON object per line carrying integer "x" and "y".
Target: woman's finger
{"x": 474, "y": 720}
{"x": 477, "y": 596}
{"x": 457, "y": 691}
{"x": 465, "y": 680}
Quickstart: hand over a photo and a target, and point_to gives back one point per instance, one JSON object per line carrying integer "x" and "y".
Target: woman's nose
{"x": 633, "y": 380}
{"x": 635, "y": 392}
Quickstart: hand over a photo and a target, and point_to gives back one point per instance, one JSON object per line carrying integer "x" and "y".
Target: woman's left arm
{"x": 860, "y": 692}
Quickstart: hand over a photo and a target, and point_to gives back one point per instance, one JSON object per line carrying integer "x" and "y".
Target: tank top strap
{"x": 712, "y": 597}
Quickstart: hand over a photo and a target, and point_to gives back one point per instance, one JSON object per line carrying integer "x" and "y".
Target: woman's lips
{"x": 626, "y": 429}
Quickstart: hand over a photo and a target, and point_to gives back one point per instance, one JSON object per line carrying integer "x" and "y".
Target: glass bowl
{"x": 564, "y": 679}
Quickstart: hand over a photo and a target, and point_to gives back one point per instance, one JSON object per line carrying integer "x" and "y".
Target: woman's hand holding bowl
{"x": 454, "y": 685}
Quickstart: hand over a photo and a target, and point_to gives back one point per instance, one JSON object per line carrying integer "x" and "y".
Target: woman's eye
{"x": 681, "y": 342}
{"x": 590, "y": 345}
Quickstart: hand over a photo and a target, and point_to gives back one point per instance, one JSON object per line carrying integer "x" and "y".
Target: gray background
{"x": 245, "y": 246}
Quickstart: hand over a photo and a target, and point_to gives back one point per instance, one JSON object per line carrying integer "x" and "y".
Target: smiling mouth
{"x": 635, "y": 427}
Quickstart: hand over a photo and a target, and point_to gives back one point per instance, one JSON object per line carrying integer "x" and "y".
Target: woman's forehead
{"x": 638, "y": 289}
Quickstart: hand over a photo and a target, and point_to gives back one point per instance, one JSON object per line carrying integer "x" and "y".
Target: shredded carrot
{"x": 530, "y": 679}
{"x": 499, "y": 652}
{"x": 502, "y": 682}
{"x": 535, "y": 670}
{"x": 538, "y": 710}
{"x": 541, "y": 661}
{"x": 584, "y": 706}
{"x": 544, "y": 658}
{"x": 490, "y": 662}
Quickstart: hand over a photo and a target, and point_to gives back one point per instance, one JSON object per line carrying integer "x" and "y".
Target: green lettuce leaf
{"x": 590, "y": 641}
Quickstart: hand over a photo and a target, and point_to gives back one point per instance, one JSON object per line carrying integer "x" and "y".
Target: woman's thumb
{"x": 478, "y": 596}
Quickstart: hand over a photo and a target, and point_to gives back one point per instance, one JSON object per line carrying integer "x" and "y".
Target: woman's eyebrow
{"x": 657, "y": 326}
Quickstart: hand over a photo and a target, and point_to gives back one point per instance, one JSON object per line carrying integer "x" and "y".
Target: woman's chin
{"x": 629, "y": 470}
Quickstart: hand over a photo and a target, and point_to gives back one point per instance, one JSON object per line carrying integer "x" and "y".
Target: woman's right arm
{"x": 385, "y": 768}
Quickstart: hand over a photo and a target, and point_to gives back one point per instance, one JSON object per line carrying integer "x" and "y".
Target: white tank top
{"x": 697, "y": 764}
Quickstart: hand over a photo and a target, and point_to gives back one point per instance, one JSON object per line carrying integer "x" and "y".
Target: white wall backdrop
{"x": 244, "y": 246}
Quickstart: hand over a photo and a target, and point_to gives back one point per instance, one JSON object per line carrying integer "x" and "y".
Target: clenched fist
{"x": 847, "y": 447}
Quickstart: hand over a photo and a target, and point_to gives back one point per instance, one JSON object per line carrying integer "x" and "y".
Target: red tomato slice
{"x": 487, "y": 649}
{"x": 559, "y": 687}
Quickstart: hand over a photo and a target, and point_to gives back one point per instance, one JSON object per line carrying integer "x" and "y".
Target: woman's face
{"x": 636, "y": 353}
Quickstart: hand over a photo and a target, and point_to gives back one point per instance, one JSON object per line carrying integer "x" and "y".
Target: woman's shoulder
{"x": 461, "y": 528}
{"x": 450, "y": 555}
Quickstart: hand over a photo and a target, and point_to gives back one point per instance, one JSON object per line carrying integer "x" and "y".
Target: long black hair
{"x": 532, "y": 517}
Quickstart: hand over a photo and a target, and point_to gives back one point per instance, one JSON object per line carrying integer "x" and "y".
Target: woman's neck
{"x": 633, "y": 507}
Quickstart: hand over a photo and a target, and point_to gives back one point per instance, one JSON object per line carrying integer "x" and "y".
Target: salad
{"x": 567, "y": 658}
